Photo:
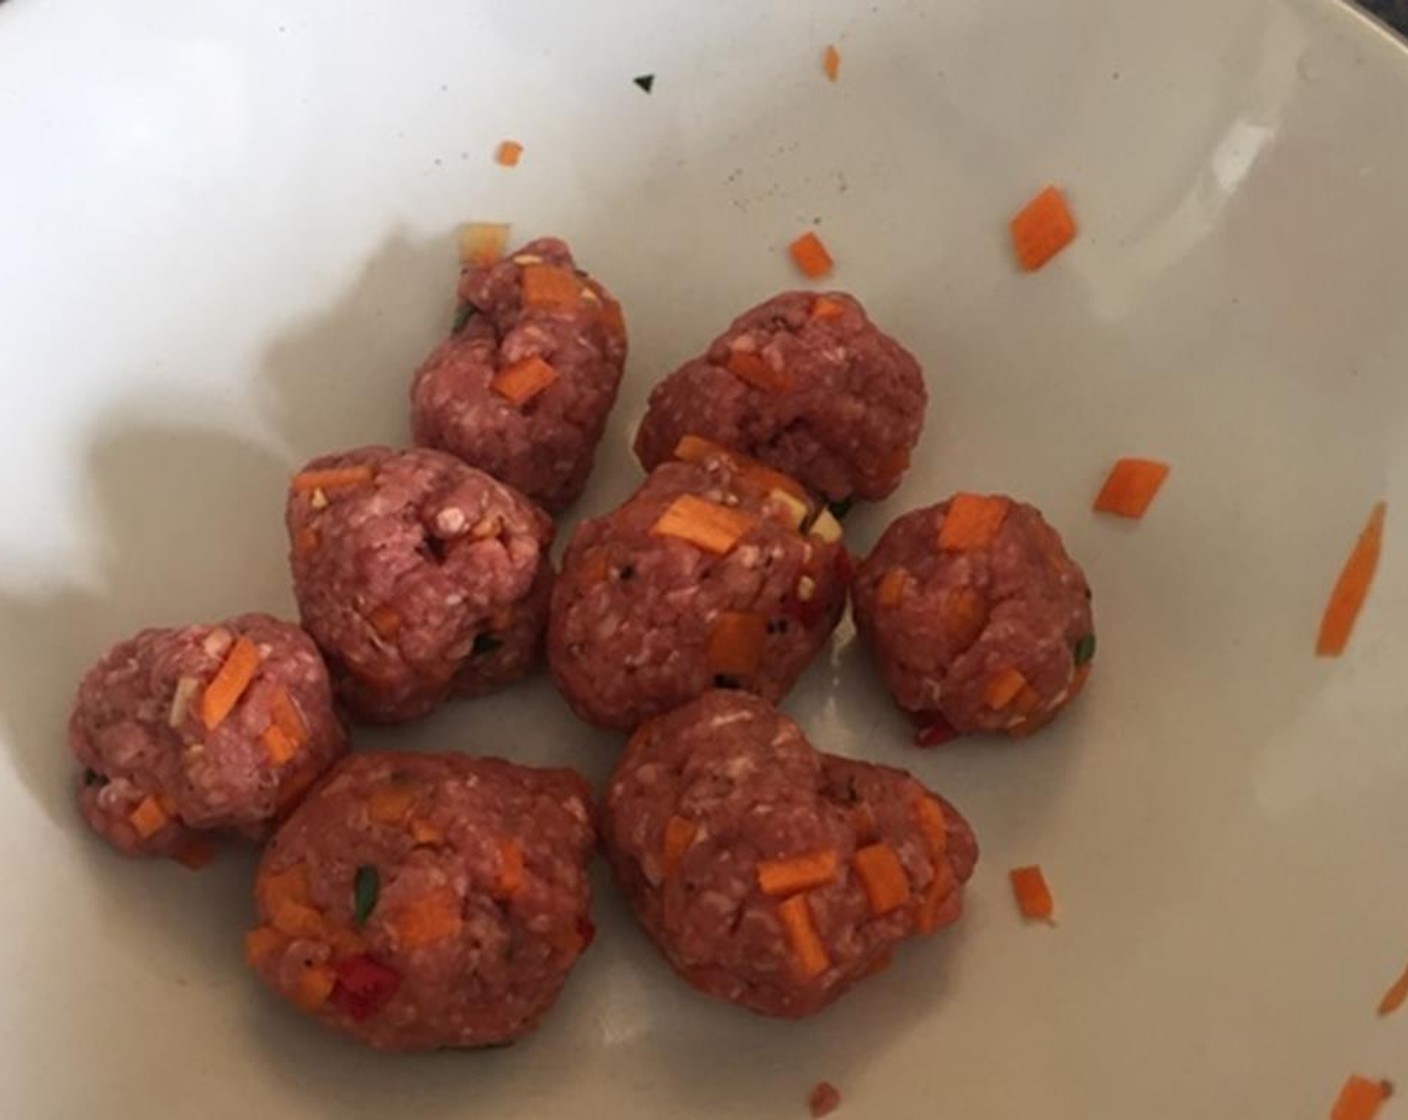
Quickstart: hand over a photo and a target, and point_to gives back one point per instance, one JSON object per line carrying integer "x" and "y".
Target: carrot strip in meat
{"x": 1360, "y": 1099}
{"x": 1026, "y": 701}
{"x": 882, "y": 875}
{"x": 149, "y": 817}
{"x": 758, "y": 372}
{"x": 229, "y": 683}
{"x": 933, "y": 826}
{"x": 286, "y": 716}
{"x": 1003, "y": 688}
{"x": 736, "y": 644}
{"x": 482, "y": 243}
{"x": 797, "y": 873}
{"x": 795, "y": 914}
{"x": 1352, "y": 588}
{"x": 713, "y": 527}
{"x": 550, "y": 288}
{"x": 1130, "y": 487}
{"x": 827, "y": 310}
{"x": 679, "y": 837}
{"x": 385, "y": 621}
{"x": 508, "y": 153}
{"x": 831, "y": 62}
{"x": 331, "y": 478}
{"x": 971, "y": 521}
{"x": 430, "y": 918}
{"x": 936, "y": 895}
{"x": 1396, "y": 996}
{"x": 510, "y": 880}
{"x": 811, "y": 256}
{"x": 693, "y": 449}
{"x": 1042, "y": 229}
{"x": 277, "y": 744}
{"x": 423, "y": 832}
{"x": 891, "y": 589}
{"x": 520, "y": 382}
{"x": 962, "y": 616}
{"x": 1032, "y": 893}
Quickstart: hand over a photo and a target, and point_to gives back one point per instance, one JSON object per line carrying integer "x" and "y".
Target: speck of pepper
{"x": 644, "y": 81}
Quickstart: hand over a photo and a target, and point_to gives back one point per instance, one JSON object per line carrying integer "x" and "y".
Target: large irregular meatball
{"x": 807, "y": 384}
{"x": 772, "y": 875}
{"x": 419, "y": 577}
{"x": 417, "y": 901}
{"x": 978, "y": 618}
{"x": 524, "y": 385}
{"x": 201, "y": 729}
{"x": 717, "y": 572}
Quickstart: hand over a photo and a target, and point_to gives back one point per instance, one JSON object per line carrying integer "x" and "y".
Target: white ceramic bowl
{"x": 225, "y": 242}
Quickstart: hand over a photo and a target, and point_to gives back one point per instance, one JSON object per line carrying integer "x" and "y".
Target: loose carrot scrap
{"x": 330, "y": 478}
{"x": 508, "y": 153}
{"x": 1032, "y": 893}
{"x": 971, "y": 521}
{"x": 882, "y": 875}
{"x": 229, "y": 683}
{"x": 149, "y": 817}
{"x": 1042, "y": 228}
{"x": 891, "y": 589}
{"x": 1352, "y": 588}
{"x": 482, "y": 243}
{"x": 792, "y": 874}
{"x": 736, "y": 644}
{"x": 758, "y": 372}
{"x": 831, "y": 62}
{"x": 1360, "y": 1099}
{"x": 432, "y": 917}
{"x": 550, "y": 288}
{"x": 1130, "y": 487}
{"x": 713, "y": 527}
{"x": 795, "y": 914}
{"x": 823, "y": 1100}
{"x": 679, "y": 837}
{"x": 1396, "y": 996}
{"x": 811, "y": 256}
{"x": 520, "y": 382}
{"x": 511, "y": 869}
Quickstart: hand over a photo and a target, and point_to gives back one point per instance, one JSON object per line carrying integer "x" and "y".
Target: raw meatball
{"x": 978, "y": 618}
{"x": 485, "y": 395}
{"x": 201, "y": 729}
{"x": 416, "y": 901}
{"x": 420, "y": 578}
{"x": 716, "y": 572}
{"x": 807, "y": 384}
{"x": 772, "y": 875}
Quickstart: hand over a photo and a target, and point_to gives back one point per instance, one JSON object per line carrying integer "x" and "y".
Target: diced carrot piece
{"x": 423, "y": 832}
{"x": 1360, "y": 1099}
{"x": 1032, "y": 893}
{"x": 482, "y": 243}
{"x": 831, "y": 62}
{"x": 827, "y": 309}
{"x": 385, "y": 621}
{"x": 430, "y": 918}
{"x": 713, "y": 527}
{"x": 331, "y": 478}
{"x": 261, "y": 943}
{"x": 1003, "y": 688}
{"x": 306, "y": 541}
{"x": 389, "y": 804}
{"x": 1042, "y": 229}
{"x": 971, "y": 521}
{"x": 297, "y": 919}
{"x": 229, "y": 683}
{"x": 933, "y": 825}
{"x": 525, "y": 379}
{"x": 891, "y": 589}
{"x": 551, "y": 288}
{"x": 1130, "y": 487}
{"x": 795, "y": 914}
{"x": 277, "y": 745}
{"x": 508, "y": 153}
{"x": 1396, "y": 996}
{"x": 1027, "y": 701}
{"x": 286, "y": 716}
{"x": 510, "y": 880}
{"x": 693, "y": 449}
{"x": 882, "y": 875}
{"x": 962, "y": 615}
{"x": 936, "y": 895}
{"x": 315, "y": 985}
{"x": 798, "y": 873}
{"x": 1352, "y": 587}
{"x": 736, "y": 644}
{"x": 195, "y": 855}
{"x": 758, "y": 372}
{"x": 679, "y": 837}
{"x": 810, "y": 256}
{"x": 148, "y": 818}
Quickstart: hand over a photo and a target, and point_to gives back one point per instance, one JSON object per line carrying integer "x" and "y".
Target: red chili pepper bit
{"x": 364, "y": 986}
{"x": 935, "y": 731}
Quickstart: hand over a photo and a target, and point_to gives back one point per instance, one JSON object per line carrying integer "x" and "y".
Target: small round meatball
{"x": 419, "y": 577}
{"x": 807, "y": 384}
{"x": 417, "y": 901}
{"x": 201, "y": 729}
{"x": 977, "y": 617}
{"x": 715, "y": 573}
{"x": 523, "y": 387}
{"x": 772, "y": 875}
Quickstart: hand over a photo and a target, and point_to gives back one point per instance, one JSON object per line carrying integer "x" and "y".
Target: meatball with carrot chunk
{"x": 419, "y": 577}
{"x": 806, "y": 383}
{"x": 418, "y": 901}
{"x": 199, "y": 730}
{"x": 717, "y": 572}
{"x": 523, "y": 387}
{"x": 772, "y": 875}
{"x": 978, "y": 617}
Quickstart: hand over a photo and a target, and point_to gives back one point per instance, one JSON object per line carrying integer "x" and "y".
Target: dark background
{"x": 1393, "y": 12}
